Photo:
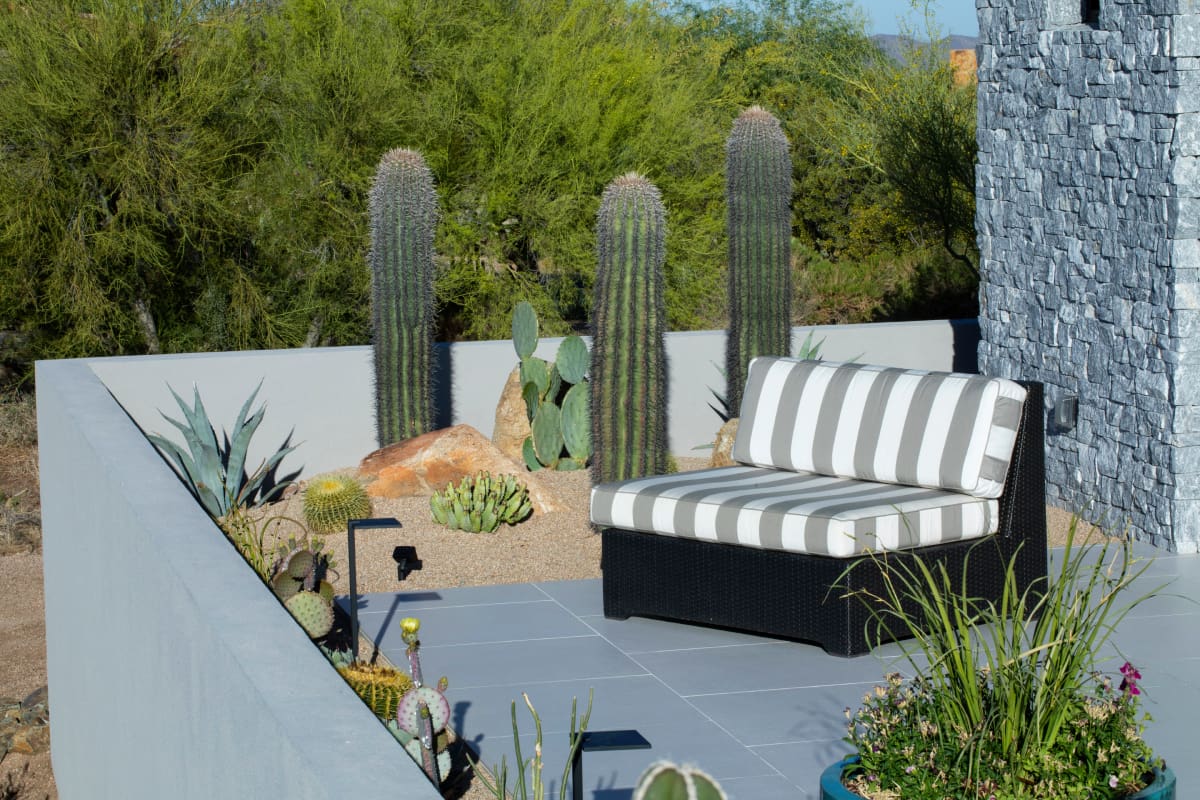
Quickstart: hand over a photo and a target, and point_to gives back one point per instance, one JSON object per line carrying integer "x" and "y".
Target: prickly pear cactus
{"x": 412, "y": 745}
{"x": 556, "y": 398}
{"x": 666, "y": 781}
{"x": 423, "y": 711}
{"x": 332, "y": 501}
{"x": 480, "y": 503}
{"x": 312, "y": 611}
{"x": 380, "y": 687}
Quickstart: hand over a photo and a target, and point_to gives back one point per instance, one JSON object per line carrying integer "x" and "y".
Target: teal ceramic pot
{"x": 1162, "y": 788}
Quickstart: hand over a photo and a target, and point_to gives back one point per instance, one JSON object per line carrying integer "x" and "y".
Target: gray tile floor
{"x": 761, "y": 715}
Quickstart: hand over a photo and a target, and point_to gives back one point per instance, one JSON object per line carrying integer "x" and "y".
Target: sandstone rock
{"x": 723, "y": 447}
{"x": 512, "y": 421}
{"x": 31, "y": 740}
{"x": 425, "y": 464}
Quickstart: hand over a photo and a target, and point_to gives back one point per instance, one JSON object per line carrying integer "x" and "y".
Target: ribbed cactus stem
{"x": 403, "y": 211}
{"x": 758, "y": 181}
{"x": 629, "y": 361}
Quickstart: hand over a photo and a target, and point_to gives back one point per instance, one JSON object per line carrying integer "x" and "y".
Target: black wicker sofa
{"x": 722, "y": 550}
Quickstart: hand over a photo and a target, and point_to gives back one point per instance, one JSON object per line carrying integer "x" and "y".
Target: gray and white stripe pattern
{"x": 792, "y": 511}
{"x": 937, "y": 430}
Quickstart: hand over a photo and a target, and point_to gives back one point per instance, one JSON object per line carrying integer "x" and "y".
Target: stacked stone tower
{"x": 1088, "y": 190}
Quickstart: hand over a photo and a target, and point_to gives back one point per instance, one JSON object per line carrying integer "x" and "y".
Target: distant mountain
{"x": 893, "y": 44}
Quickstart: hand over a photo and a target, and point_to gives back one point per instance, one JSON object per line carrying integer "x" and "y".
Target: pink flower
{"x": 1129, "y": 679}
{"x": 1112, "y": 781}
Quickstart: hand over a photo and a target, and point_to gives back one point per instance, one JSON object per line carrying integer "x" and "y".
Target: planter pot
{"x": 1161, "y": 788}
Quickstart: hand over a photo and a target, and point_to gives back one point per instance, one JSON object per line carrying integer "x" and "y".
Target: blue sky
{"x": 953, "y": 16}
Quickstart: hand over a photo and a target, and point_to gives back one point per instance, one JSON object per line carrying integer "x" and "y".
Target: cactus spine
{"x": 332, "y": 501}
{"x": 758, "y": 189}
{"x": 380, "y": 687}
{"x": 629, "y": 361}
{"x": 403, "y": 210}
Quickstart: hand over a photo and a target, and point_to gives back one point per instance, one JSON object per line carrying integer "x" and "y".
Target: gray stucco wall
{"x": 338, "y": 381}
{"x": 1088, "y": 219}
{"x": 174, "y": 672}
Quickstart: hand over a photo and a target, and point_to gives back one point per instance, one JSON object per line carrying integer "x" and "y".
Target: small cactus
{"x": 480, "y": 503}
{"x": 758, "y": 189}
{"x": 666, "y": 781}
{"x": 332, "y": 501}
{"x": 556, "y": 398}
{"x": 629, "y": 361}
{"x": 380, "y": 687}
{"x": 298, "y": 579}
{"x": 403, "y": 211}
{"x": 312, "y": 611}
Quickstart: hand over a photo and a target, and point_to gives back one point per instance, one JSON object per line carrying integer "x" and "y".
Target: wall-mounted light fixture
{"x": 1066, "y": 412}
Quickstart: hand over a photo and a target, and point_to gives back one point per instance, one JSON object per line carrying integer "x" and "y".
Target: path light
{"x": 352, "y": 526}
{"x": 598, "y": 741}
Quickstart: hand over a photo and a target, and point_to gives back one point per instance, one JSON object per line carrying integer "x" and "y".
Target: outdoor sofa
{"x": 843, "y": 472}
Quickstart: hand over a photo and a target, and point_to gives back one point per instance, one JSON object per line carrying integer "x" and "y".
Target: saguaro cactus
{"x": 629, "y": 360}
{"x": 758, "y": 188}
{"x": 403, "y": 210}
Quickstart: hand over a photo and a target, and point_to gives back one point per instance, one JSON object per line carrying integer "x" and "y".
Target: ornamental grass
{"x": 1007, "y": 699}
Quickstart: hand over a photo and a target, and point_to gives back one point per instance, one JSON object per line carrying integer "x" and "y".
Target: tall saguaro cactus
{"x": 758, "y": 189}
{"x": 403, "y": 210}
{"x": 629, "y": 359}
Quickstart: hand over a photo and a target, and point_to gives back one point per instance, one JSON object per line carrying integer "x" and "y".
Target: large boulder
{"x": 512, "y": 420}
{"x": 425, "y": 464}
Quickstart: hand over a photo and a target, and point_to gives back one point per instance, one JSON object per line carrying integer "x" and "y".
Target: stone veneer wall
{"x": 1088, "y": 217}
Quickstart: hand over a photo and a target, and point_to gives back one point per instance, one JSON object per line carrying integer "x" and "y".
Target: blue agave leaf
{"x": 240, "y": 443}
{"x": 195, "y": 484}
{"x": 255, "y": 481}
{"x": 201, "y": 439}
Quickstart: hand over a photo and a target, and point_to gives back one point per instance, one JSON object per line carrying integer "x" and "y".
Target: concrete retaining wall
{"x": 173, "y": 670}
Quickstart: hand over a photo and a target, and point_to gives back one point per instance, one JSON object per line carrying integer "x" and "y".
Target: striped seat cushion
{"x": 941, "y": 430}
{"x": 796, "y": 512}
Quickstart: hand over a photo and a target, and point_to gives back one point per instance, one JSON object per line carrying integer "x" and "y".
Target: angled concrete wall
{"x": 174, "y": 672}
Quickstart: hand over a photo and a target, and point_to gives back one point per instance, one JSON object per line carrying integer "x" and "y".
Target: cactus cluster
{"x": 758, "y": 189}
{"x": 481, "y": 502}
{"x": 298, "y": 579}
{"x": 423, "y": 712}
{"x": 332, "y": 501}
{"x": 666, "y": 781}
{"x": 556, "y": 397}
{"x": 629, "y": 361}
{"x": 379, "y": 686}
{"x": 403, "y": 213}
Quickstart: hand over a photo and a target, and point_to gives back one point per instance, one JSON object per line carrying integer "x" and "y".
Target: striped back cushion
{"x": 941, "y": 430}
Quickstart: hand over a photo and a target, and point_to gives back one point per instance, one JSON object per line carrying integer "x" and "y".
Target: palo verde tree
{"x": 124, "y": 128}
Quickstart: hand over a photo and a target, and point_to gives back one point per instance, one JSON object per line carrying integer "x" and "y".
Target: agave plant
{"x": 214, "y": 469}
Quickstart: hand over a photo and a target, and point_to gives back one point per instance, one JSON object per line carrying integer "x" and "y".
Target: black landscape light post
{"x": 411, "y": 562}
{"x": 598, "y": 741}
